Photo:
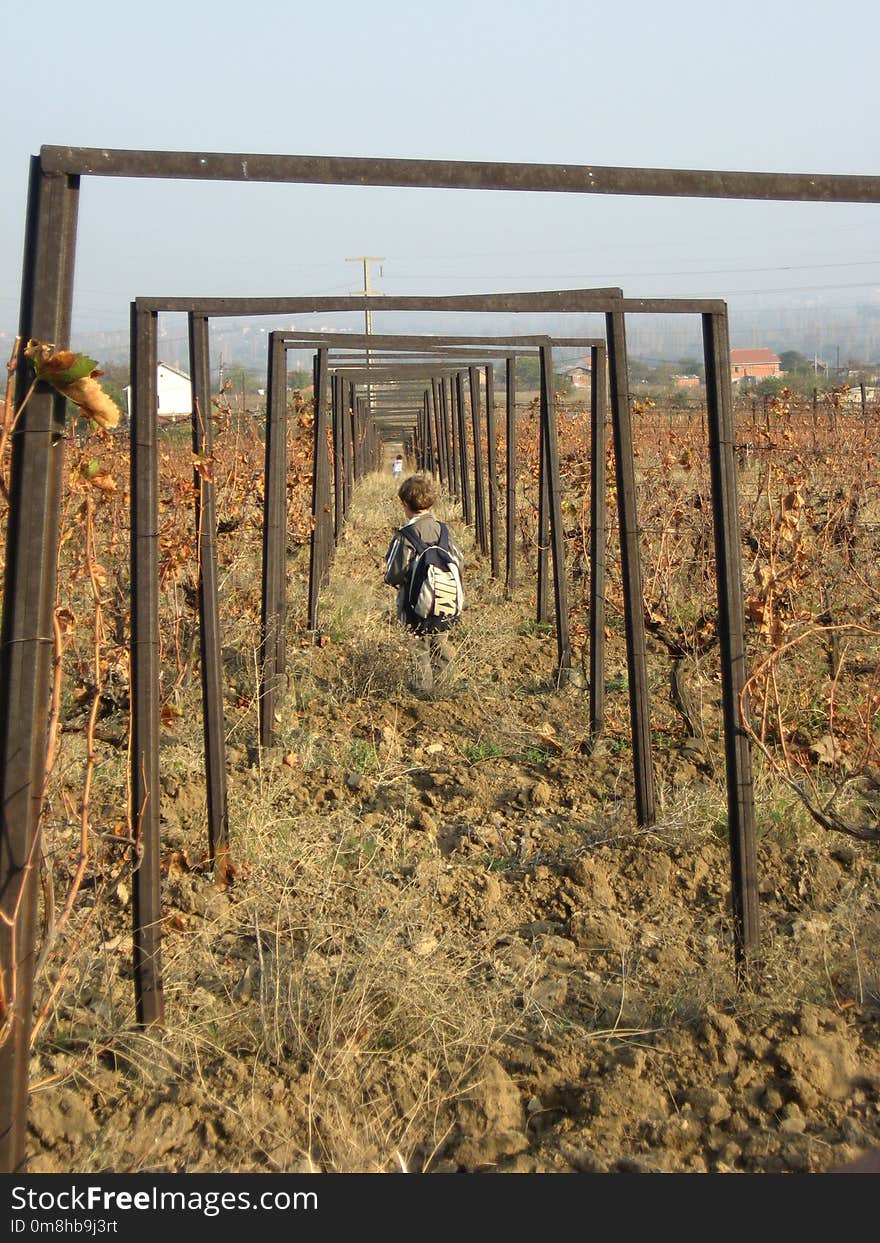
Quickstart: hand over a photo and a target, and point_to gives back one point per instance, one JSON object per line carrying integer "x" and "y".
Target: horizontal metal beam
{"x": 673, "y": 306}
{"x": 398, "y": 373}
{"x": 408, "y": 341}
{"x": 462, "y": 175}
{"x": 552, "y": 301}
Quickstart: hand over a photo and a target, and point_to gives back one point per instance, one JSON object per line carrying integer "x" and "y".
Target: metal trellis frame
{"x": 38, "y": 458}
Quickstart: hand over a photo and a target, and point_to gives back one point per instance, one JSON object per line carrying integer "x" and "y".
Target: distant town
{"x": 804, "y": 346}
{"x": 758, "y": 371}
{"x": 833, "y": 337}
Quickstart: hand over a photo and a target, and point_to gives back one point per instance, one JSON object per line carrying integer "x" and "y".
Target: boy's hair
{"x": 417, "y": 493}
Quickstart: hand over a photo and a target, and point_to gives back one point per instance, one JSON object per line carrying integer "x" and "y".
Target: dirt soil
{"x": 542, "y": 985}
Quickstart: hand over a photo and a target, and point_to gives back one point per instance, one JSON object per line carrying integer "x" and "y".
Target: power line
{"x": 639, "y": 274}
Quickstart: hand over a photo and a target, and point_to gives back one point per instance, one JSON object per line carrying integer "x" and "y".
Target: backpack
{"x": 434, "y": 594}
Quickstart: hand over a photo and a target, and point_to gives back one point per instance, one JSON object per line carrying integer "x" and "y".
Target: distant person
{"x": 397, "y": 466}
{"x": 431, "y": 650}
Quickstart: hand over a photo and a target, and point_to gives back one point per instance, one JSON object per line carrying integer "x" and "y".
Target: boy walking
{"x": 431, "y": 650}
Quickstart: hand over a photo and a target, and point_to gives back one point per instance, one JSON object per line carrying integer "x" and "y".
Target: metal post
{"x": 634, "y": 621}
{"x": 479, "y": 491}
{"x": 359, "y": 433}
{"x": 28, "y": 606}
{"x": 429, "y": 436}
{"x": 439, "y": 438}
{"x": 447, "y": 401}
{"x": 209, "y": 611}
{"x": 543, "y": 600}
{"x": 464, "y": 473}
{"x": 492, "y": 469}
{"x": 336, "y": 429}
{"x": 342, "y": 449}
{"x": 510, "y": 424}
{"x": 351, "y": 439}
{"x": 271, "y": 662}
{"x": 599, "y": 379}
{"x": 554, "y": 507}
{"x": 144, "y": 491}
{"x": 320, "y": 490}
{"x": 731, "y": 634}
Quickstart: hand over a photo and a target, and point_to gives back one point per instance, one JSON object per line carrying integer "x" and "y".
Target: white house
{"x": 854, "y": 396}
{"x": 174, "y": 390}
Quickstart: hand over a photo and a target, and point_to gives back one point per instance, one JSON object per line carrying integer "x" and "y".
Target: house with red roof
{"x": 754, "y": 364}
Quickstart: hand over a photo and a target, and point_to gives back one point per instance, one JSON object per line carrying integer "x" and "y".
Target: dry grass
{"x": 334, "y": 1008}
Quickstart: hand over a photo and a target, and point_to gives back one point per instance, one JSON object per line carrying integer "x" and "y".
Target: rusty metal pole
{"x": 554, "y": 507}
{"x": 38, "y": 452}
{"x": 430, "y": 419}
{"x": 420, "y": 445}
{"x": 731, "y": 634}
{"x": 542, "y": 614}
{"x": 634, "y": 620}
{"x": 327, "y": 539}
{"x": 359, "y": 433}
{"x": 351, "y": 439}
{"x": 598, "y": 412}
{"x": 279, "y": 523}
{"x": 144, "y": 504}
{"x": 208, "y": 591}
{"x": 340, "y": 449}
{"x": 452, "y": 432}
{"x": 492, "y": 470}
{"x": 320, "y": 490}
{"x": 274, "y": 539}
{"x": 336, "y": 432}
{"x": 510, "y": 516}
{"x": 449, "y": 425}
{"x": 479, "y": 497}
{"x": 431, "y": 429}
{"x": 464, "y": 473}
{"x": 367, "y": 436}
{"x": 428, "y": 436}
{"x": 344, "y": 447}
{"x": 439, "y": 438}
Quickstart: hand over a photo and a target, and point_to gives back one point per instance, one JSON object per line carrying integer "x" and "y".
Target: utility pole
{"x": 366, "y": 291}
{"x": 368, "y": 314}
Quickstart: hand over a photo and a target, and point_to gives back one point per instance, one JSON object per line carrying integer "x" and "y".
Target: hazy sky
{"x": 780, "y": 85}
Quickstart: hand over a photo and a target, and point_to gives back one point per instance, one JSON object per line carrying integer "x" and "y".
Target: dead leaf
{"x": 169, "y": 715}
{"x": 826, "y": 750}
{"x": 104, "y": 482}
{"x": 203, "y": 465}
{"x": 95, "y": 404}
{"x": 66, "y": 621}
{"x": 75, "y": 376}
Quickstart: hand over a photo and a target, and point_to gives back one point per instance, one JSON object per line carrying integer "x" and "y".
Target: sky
{"x": 775, "y": 86}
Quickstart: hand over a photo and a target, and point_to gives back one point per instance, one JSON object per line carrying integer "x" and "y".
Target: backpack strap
{"x": 412, "y": 537}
